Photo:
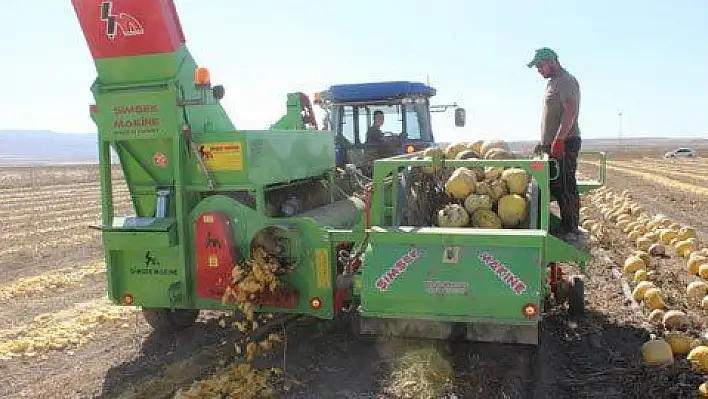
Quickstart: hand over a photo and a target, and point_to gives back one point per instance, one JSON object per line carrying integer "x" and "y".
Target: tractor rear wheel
{"x": 576, "y": 297}
{"x": 170, "y": 320}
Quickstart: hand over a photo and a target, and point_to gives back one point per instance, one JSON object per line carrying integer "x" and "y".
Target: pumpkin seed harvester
{"x": 208, "y": 196}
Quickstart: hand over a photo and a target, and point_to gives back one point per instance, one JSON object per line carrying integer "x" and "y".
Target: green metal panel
{"x": 313, "y": 275}
{"x": 452, "y": 274}
{"x": 257, "y": 158}
{"x": 140, "y": 69}
{"x": 153, "y": 276}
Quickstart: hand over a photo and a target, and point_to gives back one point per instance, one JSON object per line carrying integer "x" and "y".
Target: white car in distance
{"x": 681, "y": 153}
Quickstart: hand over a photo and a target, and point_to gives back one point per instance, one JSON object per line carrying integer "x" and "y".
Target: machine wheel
{"x": 576, "y": 297}
{"x": 170, "y": 320}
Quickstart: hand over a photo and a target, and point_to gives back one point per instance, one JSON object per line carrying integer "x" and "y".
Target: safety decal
{"x": 503, "y": 273}
{"x": 128, "y": 24}
{"x": 159, "y": 159}
{"x": 401, "y": 265}
{"x": 226, "y": 156}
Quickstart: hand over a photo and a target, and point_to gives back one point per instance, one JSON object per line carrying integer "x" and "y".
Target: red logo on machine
{"x": 160, "y": 159}
{"x": 128, "y": 24}
{"x": 214, "y": 254}
{"x": 503, "y": 272}
{"x": 401, "y": 265}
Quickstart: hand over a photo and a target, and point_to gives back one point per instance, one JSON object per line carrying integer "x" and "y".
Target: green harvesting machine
{"x": 208, "y": 196}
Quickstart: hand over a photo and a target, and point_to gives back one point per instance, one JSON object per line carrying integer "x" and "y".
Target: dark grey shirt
{"x": 374, "y": 134}
{"x": 558, "y": 90}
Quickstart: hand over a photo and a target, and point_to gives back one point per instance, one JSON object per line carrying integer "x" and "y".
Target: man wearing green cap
{"x": 561, "y": 137}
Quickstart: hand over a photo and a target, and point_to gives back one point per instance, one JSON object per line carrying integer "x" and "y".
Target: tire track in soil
{"x": 489, "y": 370}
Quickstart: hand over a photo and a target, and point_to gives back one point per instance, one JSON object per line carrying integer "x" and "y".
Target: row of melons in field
{"x": 67, "y": 329}
{"x": 49, "y": 281}
{"x": 655, "y": 236}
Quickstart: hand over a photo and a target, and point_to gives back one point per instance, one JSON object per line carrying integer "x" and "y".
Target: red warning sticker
{"x": 160, "y": 159}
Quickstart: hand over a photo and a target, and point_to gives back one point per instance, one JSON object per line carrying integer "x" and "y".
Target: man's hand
{"x": 558, "y": 148}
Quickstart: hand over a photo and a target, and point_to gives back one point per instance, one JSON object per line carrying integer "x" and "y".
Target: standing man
{"x": 561, "y": 137}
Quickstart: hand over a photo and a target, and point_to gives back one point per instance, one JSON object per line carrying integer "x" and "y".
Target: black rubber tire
{"x": 576, "y": 297}
{"x": 170, "y": 320}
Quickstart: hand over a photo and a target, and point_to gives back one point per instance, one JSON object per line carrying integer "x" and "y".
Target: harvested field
{"x": 60, "y": 338}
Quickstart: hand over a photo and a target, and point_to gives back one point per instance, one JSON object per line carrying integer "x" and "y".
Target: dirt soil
{"x": 118, "y": 355}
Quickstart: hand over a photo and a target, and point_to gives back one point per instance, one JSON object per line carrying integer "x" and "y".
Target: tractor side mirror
{"x": 460, "y": 117}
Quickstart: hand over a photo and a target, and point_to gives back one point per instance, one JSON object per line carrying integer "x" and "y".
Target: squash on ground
{"x": 653, "y": 299}
{"x": 675, "y": 319}
{"x": 657, "y": 249}
{"x": 681, "y": 344}
{"x": 656, "y": 316}
{"x": 632, "y": 264}
{"x": 657, "y": 352}
{"x": 644, "y": 255}
{"x": 698, "y": 357}
{"x": 639, "y": 292}
{"x": 696, "y": 290}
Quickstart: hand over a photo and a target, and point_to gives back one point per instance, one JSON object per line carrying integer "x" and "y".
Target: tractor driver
{"x": 374, "y": 134}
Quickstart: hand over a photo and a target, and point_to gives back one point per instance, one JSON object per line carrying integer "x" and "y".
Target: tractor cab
{"x": 378, "y": 120}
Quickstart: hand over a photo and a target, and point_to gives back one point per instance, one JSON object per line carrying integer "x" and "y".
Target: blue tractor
{"x": 380, "y": 119}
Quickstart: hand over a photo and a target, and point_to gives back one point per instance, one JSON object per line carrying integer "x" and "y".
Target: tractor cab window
{"x": 409, "y": 120}
{"x": 417, "y": 121}
{"x": 348, "y": 127}
{"x": 392, "y": 121}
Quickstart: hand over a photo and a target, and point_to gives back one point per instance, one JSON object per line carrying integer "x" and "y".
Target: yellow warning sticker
{"x": 322, "y": 268}
{"x": 226, "y": 156}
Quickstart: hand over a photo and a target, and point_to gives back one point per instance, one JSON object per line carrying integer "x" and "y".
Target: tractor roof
{"x": 378, "y": 91}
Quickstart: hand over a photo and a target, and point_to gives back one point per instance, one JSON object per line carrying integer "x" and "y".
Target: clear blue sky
{"x": 646, "y": 58}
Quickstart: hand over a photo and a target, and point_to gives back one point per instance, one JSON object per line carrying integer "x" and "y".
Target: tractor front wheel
{"x": 576, "y": 297}
{"x": 170, "y": 320}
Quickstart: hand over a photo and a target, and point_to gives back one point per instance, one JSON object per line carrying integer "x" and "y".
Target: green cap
{"x": 544, "y": 53}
